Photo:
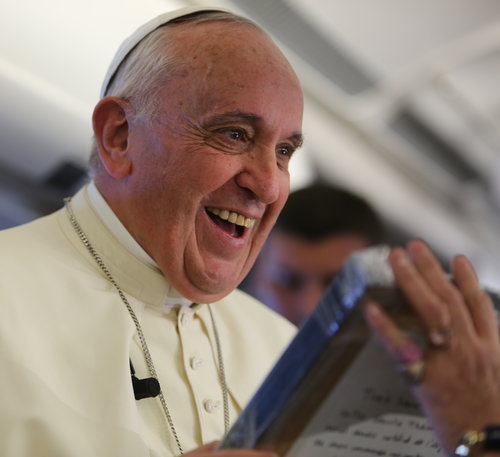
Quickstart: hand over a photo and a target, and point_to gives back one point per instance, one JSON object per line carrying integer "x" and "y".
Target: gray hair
{"x": 144, "y": 72}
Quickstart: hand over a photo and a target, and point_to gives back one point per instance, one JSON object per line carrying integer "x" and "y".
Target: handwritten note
{"x": 371, "y": 412}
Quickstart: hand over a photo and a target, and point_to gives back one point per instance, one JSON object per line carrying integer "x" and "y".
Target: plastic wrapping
{"x": 333, "y": 375}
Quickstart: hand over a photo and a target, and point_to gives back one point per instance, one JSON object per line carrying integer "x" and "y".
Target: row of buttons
{"x": 195, "y": 362}
{"x": 209, "y": 405}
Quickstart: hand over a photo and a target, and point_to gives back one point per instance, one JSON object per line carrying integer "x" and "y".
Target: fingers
{"x": 430, "y": 269}
{"x": 210, "y": 450}
{"x": 203, "y": 449}
{"x": 424, "y": 283}
{"x": 457, "y": 382}
{"x": 478, "y": 303}
{"x": 443, "y": 307}
{"x": 399, "y": 347}
{"x": 242, "y": 453}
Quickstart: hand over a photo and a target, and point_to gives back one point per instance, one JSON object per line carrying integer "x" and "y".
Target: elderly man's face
{"x": 210, "y": 175}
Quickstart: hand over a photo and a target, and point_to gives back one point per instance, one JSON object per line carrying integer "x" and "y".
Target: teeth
{"x": 233, "y": 217}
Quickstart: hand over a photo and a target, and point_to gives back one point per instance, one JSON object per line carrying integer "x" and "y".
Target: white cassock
{"x": 66, "y": 339}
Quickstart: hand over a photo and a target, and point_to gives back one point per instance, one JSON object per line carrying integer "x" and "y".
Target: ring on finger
{"x": 411, "y": 363}
{"x": 439, "y": 336}
{"x": 413, "y": 371}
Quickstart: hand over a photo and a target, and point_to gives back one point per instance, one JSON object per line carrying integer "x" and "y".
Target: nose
{"x": 261, "y": 175}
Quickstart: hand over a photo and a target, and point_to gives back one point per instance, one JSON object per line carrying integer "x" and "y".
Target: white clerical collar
{"x": 110, "y": 219}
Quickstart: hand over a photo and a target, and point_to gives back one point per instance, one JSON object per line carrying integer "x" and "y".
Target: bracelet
{"x": 487, "y": 439}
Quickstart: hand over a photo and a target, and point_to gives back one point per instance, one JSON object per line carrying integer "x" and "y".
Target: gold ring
{"x": 413, "y": 371}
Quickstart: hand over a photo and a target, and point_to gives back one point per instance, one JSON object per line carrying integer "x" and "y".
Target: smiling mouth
{"x": 231, "y": 222}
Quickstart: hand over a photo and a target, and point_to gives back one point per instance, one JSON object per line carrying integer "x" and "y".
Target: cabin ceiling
{"x": 402, "y": 105}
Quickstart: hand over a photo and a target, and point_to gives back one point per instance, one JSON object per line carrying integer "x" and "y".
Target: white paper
{"x": 370, "y": 412}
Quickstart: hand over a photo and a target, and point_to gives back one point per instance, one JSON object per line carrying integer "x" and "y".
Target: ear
{"x": 111, "y": 129}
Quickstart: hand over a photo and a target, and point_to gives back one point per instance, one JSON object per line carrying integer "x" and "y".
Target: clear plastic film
{"x": 334, "y": 391}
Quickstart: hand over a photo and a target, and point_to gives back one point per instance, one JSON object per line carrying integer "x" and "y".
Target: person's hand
{"x": 459, "y": 387}
{"x": 210, "y": 450}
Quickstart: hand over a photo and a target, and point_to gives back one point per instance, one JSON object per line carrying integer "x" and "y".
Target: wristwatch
{"x": 487, "y": 439}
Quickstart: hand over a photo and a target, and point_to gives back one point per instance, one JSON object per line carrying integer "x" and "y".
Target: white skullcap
{"x": 144, "y": 30}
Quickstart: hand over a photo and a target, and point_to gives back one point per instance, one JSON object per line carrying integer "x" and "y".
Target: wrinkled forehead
{"x": 234, "y": 57}
{"x": 236, "y": 68}
{"x": 228, "y": 43}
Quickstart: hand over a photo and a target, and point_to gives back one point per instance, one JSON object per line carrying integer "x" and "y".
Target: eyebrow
{"x": 296, "y": 138}
{"x": 233, "y": 115}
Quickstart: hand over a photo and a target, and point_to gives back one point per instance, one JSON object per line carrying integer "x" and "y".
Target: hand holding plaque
{"x": 336, "y": 392}
{"x": 460, "y": 385}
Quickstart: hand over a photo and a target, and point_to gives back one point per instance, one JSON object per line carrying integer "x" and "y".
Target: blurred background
{"x": 402, "y": 105}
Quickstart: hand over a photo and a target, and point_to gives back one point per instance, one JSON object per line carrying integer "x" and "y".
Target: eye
{"x": 285, "y": 150}
{"x": 234, "y": 134}
{"x": 229, "y": 139}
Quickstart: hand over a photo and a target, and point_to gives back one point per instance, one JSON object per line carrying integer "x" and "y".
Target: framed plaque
{"x": 334, "y": 392}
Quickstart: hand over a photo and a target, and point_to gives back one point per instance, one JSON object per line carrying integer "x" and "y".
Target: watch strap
{"x": 487, "y": 439}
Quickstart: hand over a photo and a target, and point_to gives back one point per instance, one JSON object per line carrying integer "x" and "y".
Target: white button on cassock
{"x": 195, "y": 362}
{"x": 211, "y": 405}
{"x": 186, "y": 316}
